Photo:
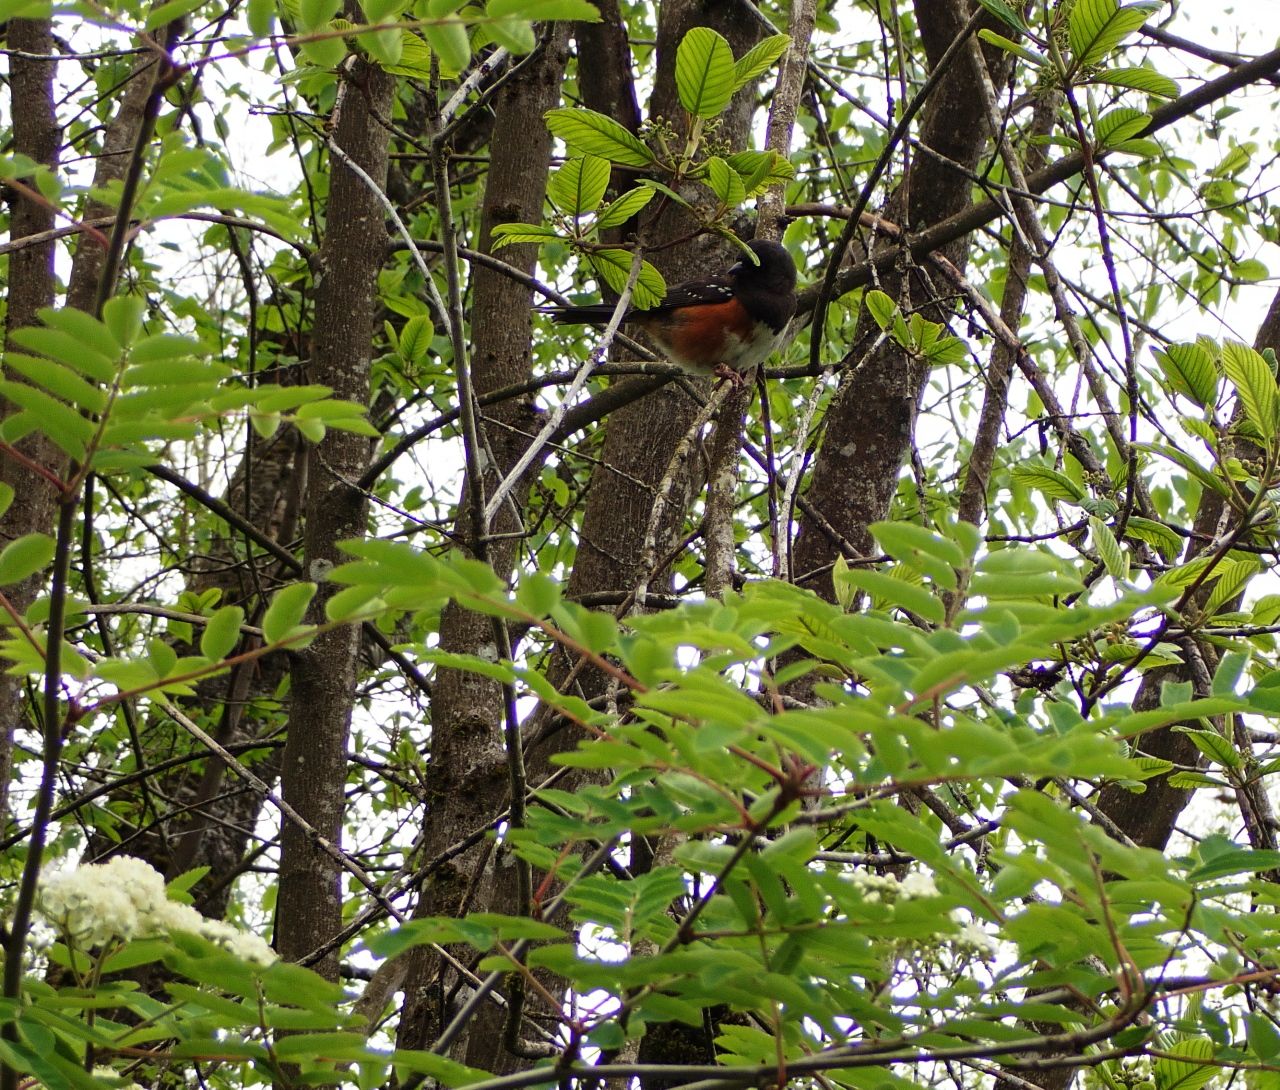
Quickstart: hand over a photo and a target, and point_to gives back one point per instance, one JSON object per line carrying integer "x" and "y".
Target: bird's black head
{"x": 776, "y": 271}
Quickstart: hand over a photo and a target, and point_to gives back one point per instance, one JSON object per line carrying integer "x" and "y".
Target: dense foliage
{"x": 906, "y": 718}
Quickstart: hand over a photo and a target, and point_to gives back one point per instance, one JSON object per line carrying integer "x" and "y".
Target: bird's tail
{"x": 587, "y": 314}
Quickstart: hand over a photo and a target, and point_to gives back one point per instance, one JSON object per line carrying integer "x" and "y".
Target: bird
{"x": 722, "y": 325}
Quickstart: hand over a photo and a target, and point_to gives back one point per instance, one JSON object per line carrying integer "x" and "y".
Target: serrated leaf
{"x": 1114, "y": 558}
{"x": 1049, "y": 482}
{"x": 1189, "y": 368}
{"x": 725, "y": 182}
{"x": 1137, "y": 79}
{"x": 897, "y": 592}
{"x": 618, "y": 212}
{"x": 286, "y": 611}
{"x": 1181, "y": 458}
{"x": 758, "y": 59}
{"x": 1118, "y": 125}
{"x": 508, "y": 234}
{"x": 578, "y": 186}
{"x": 1007, "y": 14}
{"x": 595, "y": 134}
{"x": 415, "y": 339}
{"x": 704, "y": 72}
{"x": 1255, "y": 386}
{"x": 1167, "y": 541}
{"x": 415, "y": 57}
{"x": 614, "y": 268}
{"x": 1096, "y": 27}
{"x": 1215, "y": 747}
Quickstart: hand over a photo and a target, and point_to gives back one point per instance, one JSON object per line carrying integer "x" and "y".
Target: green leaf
{"x": 1007, "y": 14}
{"x": 167, "y": 13}
{"x": 546, "y": 11}
{"x": 1114, "y": 558}
{"x": 1049, "y": 482}
{"x": 1171, "y": 1074}
{"x": 881, "y": 307}
{"x": 415, "y": 58}
{"x": 315, "y": 14}
{"x": 415, "y": 339}
{"x": 614, "y": 268}
{"x": 725, "y": 182}
{"x": 261, "y": 16}
{"x": 509, "y": 234}
{"x": 286, "y": 611}
{"x": 25, "y": 556}
{"x": 1096, "y": 27}
{"x": 898, "y": 592}
{"x": 60, "y": 381}
{"x": 618, "y": 212}
{"x": 595, "y": 134}
{"x": 514, "y": 35}
{"x": 704, "y": 72}
{"x": 1117, "y": 126}
{"x": 578, "y": 186}
{"x": 1033, "y": 58}
{"x": 221, "y": 633}
{"x": 1189, "y": 368}
{"x": 758, "y": 59}
{"x": 1255, "y": 385}
{"x": 448, "y": 40}
{"x": 1263, "y": 1038}
{"x": 1137, "y": 79}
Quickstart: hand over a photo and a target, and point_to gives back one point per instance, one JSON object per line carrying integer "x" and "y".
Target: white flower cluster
{"x": 124, "y": 898}
{"x": 885, "y": 887}
{"x": 972, "y": 939}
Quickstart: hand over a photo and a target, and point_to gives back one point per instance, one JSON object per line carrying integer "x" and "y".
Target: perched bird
{"x": 722, "y": 325}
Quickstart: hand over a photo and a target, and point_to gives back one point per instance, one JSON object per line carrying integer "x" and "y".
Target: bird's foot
{"x": 725, "y": 373}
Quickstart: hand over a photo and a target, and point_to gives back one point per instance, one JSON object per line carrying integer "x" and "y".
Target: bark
{"x": 872, "y": 419}
{"x": 309, "y": 910}
{"x": 1149, "y": 818}
{"x": 466, "y": 782}
{"x": 31, "y": 286}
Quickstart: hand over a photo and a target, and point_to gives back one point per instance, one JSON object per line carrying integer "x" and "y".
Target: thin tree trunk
{"x": 314, "y": 773}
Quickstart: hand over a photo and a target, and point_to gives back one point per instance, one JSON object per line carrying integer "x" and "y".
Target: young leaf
{"x": 25, "y": 556}
{"x": 595, "y": 134}
{"x": 449, "y": 42}
{"x": 1007, "y": 14}
{"x": 614, "y": 268}
{"x": 1001, "y": 42}
{"x": 704, "y": 72}
{"x": 1136, "y": 79}
{"x": 758, "y": 59}
{"x": 286, "y": 611}
{"x": 1255, "y": 385}
{"x": 881, "y": 307}
{"x": 725, "y": 182}
{"x": 221, "y": 633}
{"x": 626, "y": 206}
{"x": 578, "y": 186}
{"x": 1117, "y": 126}
{"x": 1096, "y": 27}
{"x": 1190, "y": 370}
